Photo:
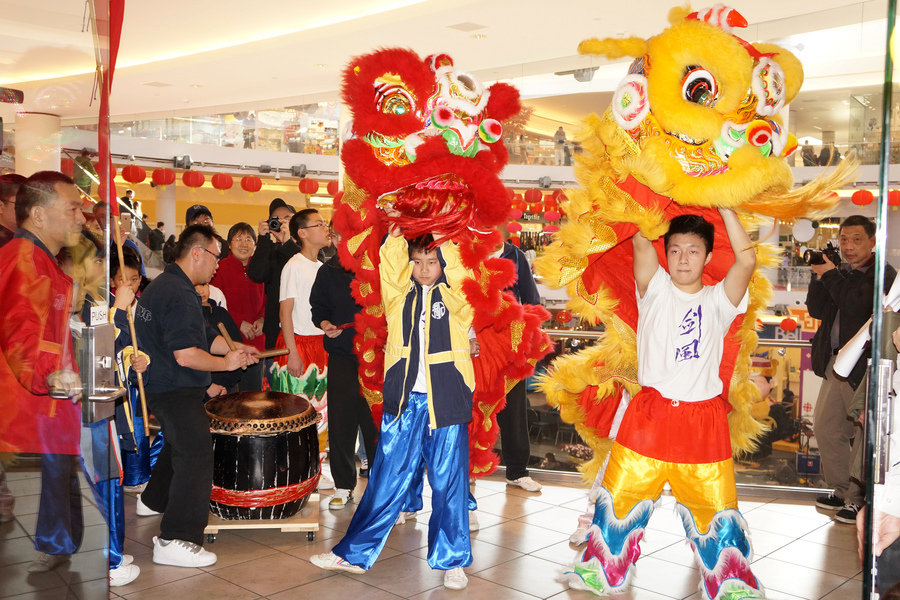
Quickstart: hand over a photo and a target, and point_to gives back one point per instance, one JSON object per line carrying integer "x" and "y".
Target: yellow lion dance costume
{"x": 693, "y": 127}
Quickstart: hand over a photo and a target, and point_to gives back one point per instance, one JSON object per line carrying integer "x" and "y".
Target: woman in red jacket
{"x": 246, "y": 300}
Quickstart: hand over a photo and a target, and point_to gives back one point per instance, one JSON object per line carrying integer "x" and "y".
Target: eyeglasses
{"x": 321, "y": 224}
{"x": 218, "y": 257}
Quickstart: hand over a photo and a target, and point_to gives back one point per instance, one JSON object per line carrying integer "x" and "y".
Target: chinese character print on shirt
{"x": 689, "y": 337}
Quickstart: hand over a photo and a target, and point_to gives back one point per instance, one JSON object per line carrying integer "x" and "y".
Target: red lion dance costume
{"x": 425, "y": 140}
{"x": 693, "y": 126}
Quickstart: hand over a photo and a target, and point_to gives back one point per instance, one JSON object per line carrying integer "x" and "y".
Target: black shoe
{"x": 364, "y": 473}
{"x": 830, "y": 502}
{"x": 847, "y": 514}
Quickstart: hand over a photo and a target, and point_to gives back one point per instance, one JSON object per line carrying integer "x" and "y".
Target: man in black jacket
{"x": 333, "y": 311}
{"x": 842, "y": 297}
{"x": 273, "y": 250}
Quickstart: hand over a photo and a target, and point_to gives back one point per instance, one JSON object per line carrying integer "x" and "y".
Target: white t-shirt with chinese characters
{"x": 681, "y": 336}
{"x": 297, "y": 279}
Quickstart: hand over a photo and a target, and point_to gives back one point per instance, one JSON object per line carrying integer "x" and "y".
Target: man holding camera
{"x": 841, "y": 297}
{"x": 274, "y": 247}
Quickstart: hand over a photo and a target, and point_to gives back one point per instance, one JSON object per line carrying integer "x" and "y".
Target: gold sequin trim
{"x": 356, "y": 241}
{"x": 375, "y": 310}
{"x": 571, "y": 269}
{"x": 589, "y": 298}
{"x": 369, "y": 355}
{"x": 366, "y": 262}
{"x": 372, "y": 397}
{"x": 353, "y": 195}
{"x": 604, "y": 236}
{"x": 516, "y": 329}
{"x": 486, "y": 410}
{"x": 365, "y": 289}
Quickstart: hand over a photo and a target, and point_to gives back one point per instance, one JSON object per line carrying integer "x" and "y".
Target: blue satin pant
{"x": 136, "y": 465}
{"x": 404, "y": 442}
{"x": 413, "y": 502}
{"x": 60, "y": 525}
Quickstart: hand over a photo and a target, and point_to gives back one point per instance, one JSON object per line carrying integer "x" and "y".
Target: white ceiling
{"x": 237, "y": 55}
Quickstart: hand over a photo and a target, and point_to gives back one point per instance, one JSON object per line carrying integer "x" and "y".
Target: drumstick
{"x": 229, "y": 341}
{"x": 272, "y": 353}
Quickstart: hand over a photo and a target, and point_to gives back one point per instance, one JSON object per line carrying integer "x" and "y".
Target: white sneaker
{"x": 179, "y": 553}
{"x": 135, "y": 489}
{"x": 127, "y": 559}
{"x": 124, "y": 575}
{"x": 526, "y": 483}
{"x": 473, "y": 526}
{"x": 404, "y": 516}
{"x": 579, "y": 537}
{"x": 325, "y": 481}
{"x": 143, "y": 510}
{"x": 340, "y": 499}
{"x": 455, "y": 579}
{"x": 333, "y": 562}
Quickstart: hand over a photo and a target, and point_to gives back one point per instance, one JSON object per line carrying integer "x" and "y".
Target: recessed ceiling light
{"x": 196, "y": 85}
{"x": 478, "y": 36}
{"x": 467, "y": 27}
{"x": 320, "y": 65}
{"x": 158, "y": 84}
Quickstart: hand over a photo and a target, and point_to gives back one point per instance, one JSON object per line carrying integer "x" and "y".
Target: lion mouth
{"x": 687, "y": 139}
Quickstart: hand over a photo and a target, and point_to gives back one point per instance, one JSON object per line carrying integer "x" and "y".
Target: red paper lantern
{"x": 308, "y": 186}
{"x": 222, "y": 182}
{"x": 551, "y": 229}
{"x": 332, "y": 188}
{"x": 552, "y": 215}
{"x": 67, "y": 166}
{"x": 510, "y": 193}
{"x": 193, "y": 179}
{"x": 563, "y": 317}
{"x": 894, "y": 199}
{"x": 789, "y": 324}
{"x": 536, "y": 208}
{"x": 533, "y": 196}
{"x": 560, "y": 198}
{"x": 516, "y": 214}
{"x": 163, "y": 177}
{"x": 134, "y": 174}
{"x": 515, "y": 240}
{"x": 862, "y": 197}
{"x": 251, "y": 184}
{"x": 513, "y": 227}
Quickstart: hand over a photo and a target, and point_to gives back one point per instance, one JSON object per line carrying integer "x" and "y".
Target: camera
{"x": 274, "y": 224}
{"x": 816, "y": 257}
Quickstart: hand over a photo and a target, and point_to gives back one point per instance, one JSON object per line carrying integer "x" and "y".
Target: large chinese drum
{"x": 266, "y": 455}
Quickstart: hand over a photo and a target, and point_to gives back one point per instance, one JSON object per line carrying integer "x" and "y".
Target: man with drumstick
{"x": 170, "y": 322}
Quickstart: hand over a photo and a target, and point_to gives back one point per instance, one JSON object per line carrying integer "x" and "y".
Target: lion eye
{"x": 396, "y": 105}
{"x": 700, "y": 87}
{"x": 393, "y": 99}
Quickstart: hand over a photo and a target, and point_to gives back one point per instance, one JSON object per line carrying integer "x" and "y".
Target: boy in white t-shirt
{"x": 675, "y": 429}
{"x": 298, "y": 334}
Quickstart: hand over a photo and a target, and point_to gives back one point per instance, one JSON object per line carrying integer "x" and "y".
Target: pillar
{"x": 165, "y": 209}
{"x": 37, "y": 143}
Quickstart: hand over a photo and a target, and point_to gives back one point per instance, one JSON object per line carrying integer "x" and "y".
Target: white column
{"x": 37, "y": 143}
{"x": 165, "y": 209}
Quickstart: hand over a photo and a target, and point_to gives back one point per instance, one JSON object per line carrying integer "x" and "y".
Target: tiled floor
{"x": 799, "y": 553}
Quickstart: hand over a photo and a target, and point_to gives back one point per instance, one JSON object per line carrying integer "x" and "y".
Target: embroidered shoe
{"x": 579, "y": 537}
{"x": 526, "y": 483}
{"x": 143, "y": 510}
{"x": 830, "y": 502}
{"x": 473, "y": 523}
{"x": 340, "y": 499}
{"x": 179, "y": 553}
{"x": 47, "y": 562}
{"x": 405, "y": 516}
{"x": 124, "y": 575}
{"x": 847, "y": 514}
{"x": 455, "y": 579}
{"x": 333, "y": 562}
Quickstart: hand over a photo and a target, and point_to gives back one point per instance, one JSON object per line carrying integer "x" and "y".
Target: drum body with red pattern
{"x": 266, "y": 455}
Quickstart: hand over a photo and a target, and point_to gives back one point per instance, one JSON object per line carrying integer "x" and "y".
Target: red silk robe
{"x": 35, "y": 341}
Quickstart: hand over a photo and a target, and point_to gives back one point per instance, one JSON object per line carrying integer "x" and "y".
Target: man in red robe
{"x": 36, "y": 357}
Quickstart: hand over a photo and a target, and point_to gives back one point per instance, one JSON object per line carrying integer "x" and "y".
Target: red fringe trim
{"x": 268, "y": 497}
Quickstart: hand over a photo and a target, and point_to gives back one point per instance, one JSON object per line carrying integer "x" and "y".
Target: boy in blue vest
{"x": 428, "y": 385}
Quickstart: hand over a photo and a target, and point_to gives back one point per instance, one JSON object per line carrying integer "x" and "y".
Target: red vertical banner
{"x": 106, "y": 19}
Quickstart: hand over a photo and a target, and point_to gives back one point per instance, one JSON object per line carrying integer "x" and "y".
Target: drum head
{"x": 259, "y": 412}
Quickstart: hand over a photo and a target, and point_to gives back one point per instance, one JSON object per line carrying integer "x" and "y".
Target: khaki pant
{"x": 834, "y": 430}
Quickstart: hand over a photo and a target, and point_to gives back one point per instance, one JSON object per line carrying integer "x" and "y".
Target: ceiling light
{"x": 320, "y": 66}
{"x": 477, "y": 36}
{"x": 467, "y": 27}
{"x": 158, "y": 84}
{"x": 196, "y": 86}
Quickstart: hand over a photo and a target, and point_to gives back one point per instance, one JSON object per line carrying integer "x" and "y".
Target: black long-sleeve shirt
{"x": 331, "y": 300}
{"x": 265, "y": 267}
